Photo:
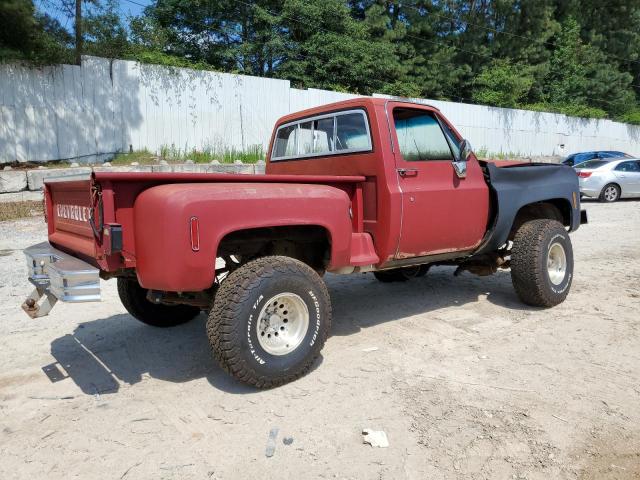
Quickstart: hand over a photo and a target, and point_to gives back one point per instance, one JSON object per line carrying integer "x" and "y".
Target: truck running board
{"x": 58, "y": 276}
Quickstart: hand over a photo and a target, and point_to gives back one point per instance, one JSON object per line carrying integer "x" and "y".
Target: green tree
{"x": 330, "y": 49}
{"x": 581, "y": 75}
{"x": 231, "y": 35}
{"x": 105, "y": 35}
{"x": 503, "y": 84}
{"x": 26, "y": 36}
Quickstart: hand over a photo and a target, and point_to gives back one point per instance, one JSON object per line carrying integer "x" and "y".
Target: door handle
{"x": 408, "y": 172}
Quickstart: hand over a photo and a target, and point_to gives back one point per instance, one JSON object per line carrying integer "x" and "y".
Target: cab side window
{"x": 420, "y": 137}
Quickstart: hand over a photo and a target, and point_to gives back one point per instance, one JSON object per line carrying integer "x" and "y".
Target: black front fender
{"x": 517, "y": 186}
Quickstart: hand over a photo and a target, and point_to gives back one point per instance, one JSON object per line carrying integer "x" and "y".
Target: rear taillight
{"x": 584, "y": 174}
{"x": 112, "y": 238}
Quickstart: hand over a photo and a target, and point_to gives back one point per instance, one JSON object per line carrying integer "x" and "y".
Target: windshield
{"x": 592, "y": 164}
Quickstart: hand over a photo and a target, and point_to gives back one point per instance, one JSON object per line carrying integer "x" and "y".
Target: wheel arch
{"x": 554, "y": 209}
{"x": 309, "y": 243}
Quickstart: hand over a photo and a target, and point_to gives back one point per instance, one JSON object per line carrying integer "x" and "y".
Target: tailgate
{"x": 69, "y": 214}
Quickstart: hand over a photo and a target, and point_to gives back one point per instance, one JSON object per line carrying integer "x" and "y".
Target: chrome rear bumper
{"x": 58, "y": 276}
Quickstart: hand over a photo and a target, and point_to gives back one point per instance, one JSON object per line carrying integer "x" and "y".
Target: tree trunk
{"x": 78, "y": 32}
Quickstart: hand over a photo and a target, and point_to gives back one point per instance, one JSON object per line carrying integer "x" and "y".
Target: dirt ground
{"x": 466, "y": 381}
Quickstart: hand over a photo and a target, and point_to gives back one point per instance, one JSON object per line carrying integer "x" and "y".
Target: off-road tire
{"x": 529, "y": 256}
{"x": 134, "y": 299}
{"x": 603, "y": 195}
{"x": 401, "y": 274}
{"x": 232, "y": 326}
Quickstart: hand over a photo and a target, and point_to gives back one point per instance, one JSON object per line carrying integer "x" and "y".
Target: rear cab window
{"x": 323, "y": 135}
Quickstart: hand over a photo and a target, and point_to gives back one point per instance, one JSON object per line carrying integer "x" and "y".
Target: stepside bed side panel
{"x": 165, "y": 259}
{"x": 516, "y": 186}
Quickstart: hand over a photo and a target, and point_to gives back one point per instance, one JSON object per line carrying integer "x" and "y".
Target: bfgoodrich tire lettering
{"x": 535, "y": 246}
{"x": 233, "y": 324}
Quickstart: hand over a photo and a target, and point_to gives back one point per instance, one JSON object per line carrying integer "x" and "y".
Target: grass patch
{"x": 484, "y": 154}
{"x": 221, "y": 153}
{"x": 15, "y": 210}
{"x": 172, "y": 154}
{"x": 143, "y": 157}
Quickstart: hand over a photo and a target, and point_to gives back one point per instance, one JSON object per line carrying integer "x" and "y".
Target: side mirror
{"x": 465, "y": 150}
{"x": 460, "y": 163}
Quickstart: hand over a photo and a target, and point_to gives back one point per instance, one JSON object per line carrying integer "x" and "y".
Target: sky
{"x": 55, "y": 10}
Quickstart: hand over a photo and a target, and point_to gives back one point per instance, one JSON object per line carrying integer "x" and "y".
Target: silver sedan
{"x": 610, "y": 180}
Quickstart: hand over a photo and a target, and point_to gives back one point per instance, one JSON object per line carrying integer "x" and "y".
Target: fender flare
{"x": 512, "y": 188}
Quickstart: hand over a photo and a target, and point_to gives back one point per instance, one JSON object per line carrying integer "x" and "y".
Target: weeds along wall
{"x": 87, "y": 113}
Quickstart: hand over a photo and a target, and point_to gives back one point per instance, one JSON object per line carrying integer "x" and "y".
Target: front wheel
{"x": 542, "y": 263}
{"x": 269, "y": 321}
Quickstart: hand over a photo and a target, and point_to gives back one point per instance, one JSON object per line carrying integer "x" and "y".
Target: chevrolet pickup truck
{"x": 365, "y": 185}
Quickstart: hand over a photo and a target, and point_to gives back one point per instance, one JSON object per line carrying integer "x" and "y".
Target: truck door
{"x": 441, "y": 212}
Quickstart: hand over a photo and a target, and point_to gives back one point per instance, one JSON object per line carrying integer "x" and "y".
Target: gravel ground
{"x": 466, "y": 381}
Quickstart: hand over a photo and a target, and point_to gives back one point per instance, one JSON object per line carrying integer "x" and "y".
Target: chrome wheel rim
{"x": 610, "y": 193}
{"x": 556, "y": 263}
{"x": 282, "y": 324}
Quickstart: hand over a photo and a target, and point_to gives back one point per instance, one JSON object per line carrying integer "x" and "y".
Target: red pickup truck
{"x": 365, "y": 185}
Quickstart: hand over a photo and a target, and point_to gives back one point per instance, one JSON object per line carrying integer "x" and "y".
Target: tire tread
{"x": 223, "y": 327}
{"x": 527, "y": 277}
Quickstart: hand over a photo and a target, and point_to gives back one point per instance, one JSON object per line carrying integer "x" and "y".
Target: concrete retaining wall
{"x": 87, "y": 113}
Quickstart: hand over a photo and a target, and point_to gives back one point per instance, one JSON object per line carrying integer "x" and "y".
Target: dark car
{"x": 576, "y": 158}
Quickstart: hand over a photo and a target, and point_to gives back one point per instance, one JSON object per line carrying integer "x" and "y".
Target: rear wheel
{"x": 134, "y": 299}
{"x": 269, "y": 321}
{"x": 542, "y": 263}
{"x": 610, "y": 193}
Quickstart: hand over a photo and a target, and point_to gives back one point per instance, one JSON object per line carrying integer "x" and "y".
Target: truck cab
{"x": 414, "y": 203}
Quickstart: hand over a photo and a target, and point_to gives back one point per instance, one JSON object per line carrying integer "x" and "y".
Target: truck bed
{"x": 81, "y": 211}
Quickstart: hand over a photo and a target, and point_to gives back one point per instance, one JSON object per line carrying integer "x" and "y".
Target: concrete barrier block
{"x": 116, "y": 168}
{"x": 143, "y": 168}
{"x": 227, "y": 168}
{"x": 23, "y": 196}
{"x": 13, "y": 181}
{"x": 185, "y": 168}
{"x": 35, "y": 178}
